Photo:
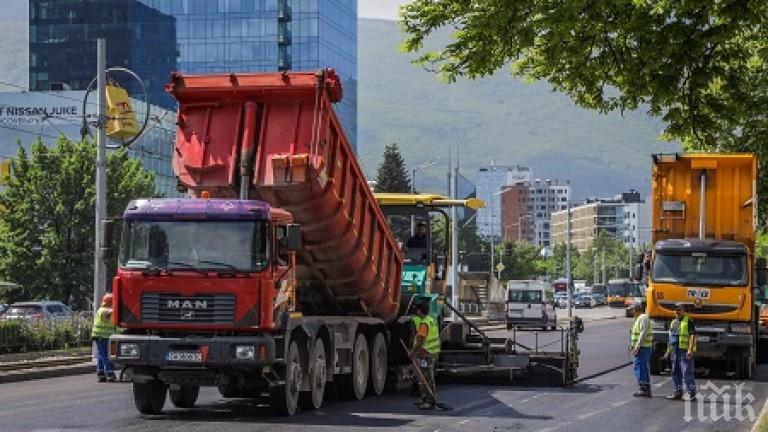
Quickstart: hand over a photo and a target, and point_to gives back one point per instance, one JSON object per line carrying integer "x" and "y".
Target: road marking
{"x": 464, "y": 421}
{"x": 664, "y": 381}
{"x": 619, "y": 403}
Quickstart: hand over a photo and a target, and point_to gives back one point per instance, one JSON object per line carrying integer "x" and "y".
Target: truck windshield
{"x": 524, "y": 296}
{"x": 700, "y": 269}
{"x": 195, "y": 245}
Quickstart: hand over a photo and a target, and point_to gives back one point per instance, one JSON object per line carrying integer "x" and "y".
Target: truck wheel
{"x": 318, "y": 376}
{"x": 744, "y": 366}
{"x": 184, "y": 396}
{"x": 353, "y": 386}
{"x": 285, "y": 397}
{"x": 378, "y": 370}
{"x": 149, "y": 397}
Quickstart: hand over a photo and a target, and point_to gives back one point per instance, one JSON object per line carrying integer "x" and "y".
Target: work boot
{"x": 676, "y": 396}
{"x": 644, "y": 391}
{"x": 689, "y": 396}
{"x": 101, "y": 378}
{"x": 111, "y": 377}
{"x": 427, "y": 406}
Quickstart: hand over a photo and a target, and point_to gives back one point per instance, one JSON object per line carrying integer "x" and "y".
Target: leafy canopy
{"x": 47, "y": 217}
{"x": 391, "y": 175}
{"x": 701, "y": 65}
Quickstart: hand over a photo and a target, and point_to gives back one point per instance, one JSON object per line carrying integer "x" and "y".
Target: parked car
{"x": 561, "y": 300}
{"x": 599, "y": 299}
{"x": 584, "y": 301}
{"x": 3, "y": 308}
{"x": 41, "y": 310}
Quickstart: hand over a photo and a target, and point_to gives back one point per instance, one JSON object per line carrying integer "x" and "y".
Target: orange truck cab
{"x": 704, "y": 222}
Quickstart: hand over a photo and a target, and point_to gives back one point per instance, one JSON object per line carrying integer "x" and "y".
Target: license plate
{"x": 184, "y": 356}
{"x": 698, "y": 293}
{"x": 703, "y": 338}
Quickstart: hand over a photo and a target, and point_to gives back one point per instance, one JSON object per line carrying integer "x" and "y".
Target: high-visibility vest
{"x": 683, "y": 335}
{"x": 432, "y": 343}
{"x": 102, "y": 323}
{"x": 636, "y": 330}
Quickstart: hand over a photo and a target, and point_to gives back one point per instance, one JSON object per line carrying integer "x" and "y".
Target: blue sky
{"x": 17, "y": 9}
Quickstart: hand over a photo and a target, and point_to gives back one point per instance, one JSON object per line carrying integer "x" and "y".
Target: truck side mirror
{"x": 638, "y": 272}
{"x": 107, "y": 234}
{"x": 292, "y": 239}
{"x": 761, "y": 267}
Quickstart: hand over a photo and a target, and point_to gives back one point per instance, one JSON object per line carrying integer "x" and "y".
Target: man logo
{"x": 187, "y": 304}
{"x": 187, "y": 315}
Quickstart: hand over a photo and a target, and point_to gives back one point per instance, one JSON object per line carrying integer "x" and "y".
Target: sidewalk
{"x": 587, "y": 315}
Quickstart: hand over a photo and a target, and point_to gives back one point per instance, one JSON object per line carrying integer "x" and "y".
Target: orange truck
{"x": 704, "y": 223}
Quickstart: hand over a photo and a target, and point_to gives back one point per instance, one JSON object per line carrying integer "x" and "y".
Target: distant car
{"x": 764, "y": 318}
{"x": 561, "y": 300}
{"x": 584, "y": 301}
{"x": 3, "y": 308}
{"x": 599, "y": 299}
{"x": 41, "y": 310}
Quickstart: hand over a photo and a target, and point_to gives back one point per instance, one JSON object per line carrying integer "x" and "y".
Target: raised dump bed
{"x": 276, "y": 137}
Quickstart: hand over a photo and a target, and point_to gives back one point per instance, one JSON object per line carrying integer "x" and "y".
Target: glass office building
{"x": 62, "y": 44}
{"x": 269, "y": 35}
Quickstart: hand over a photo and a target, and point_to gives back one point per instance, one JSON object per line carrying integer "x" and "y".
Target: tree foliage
{"x": 47, "y": 217}
{"x": 702, "y": 66}
{"x": 391, "y": 175}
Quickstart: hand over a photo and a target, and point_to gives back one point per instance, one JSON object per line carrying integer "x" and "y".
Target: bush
{"x": 26, "y": 336}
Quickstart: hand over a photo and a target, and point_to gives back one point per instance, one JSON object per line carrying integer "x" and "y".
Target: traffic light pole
{"x": 99, "y": 267}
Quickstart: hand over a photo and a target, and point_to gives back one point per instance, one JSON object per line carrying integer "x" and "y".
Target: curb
{"x": 761, "y": 419}
{"x": 32, "y": 374}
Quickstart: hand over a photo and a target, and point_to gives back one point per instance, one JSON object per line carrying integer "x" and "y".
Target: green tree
{"x": 702, "y": 66}
{"x": 391, "y": 175}
{"x": 521, "y": 260}
{"x": 46, "y": 216}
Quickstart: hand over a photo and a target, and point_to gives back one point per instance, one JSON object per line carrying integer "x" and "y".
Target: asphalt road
{"x": 602, "y": 403}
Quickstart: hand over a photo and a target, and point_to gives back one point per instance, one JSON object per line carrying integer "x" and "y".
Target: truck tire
{"x": 184, "y": 396}
{"x": 744, "y": 367}
{"x": 285, "y": 397}
{"x": 318, "y": 377}
{"x": 149, "y": 397}
{"x": 354, "y": 385}
{"x": 378, "y": 368}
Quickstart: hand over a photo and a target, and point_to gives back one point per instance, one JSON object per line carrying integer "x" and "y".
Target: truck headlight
{"x": 129, "y": 350}
{"x": 659, "y": 324}
{"x": 245, "y": 352}
{"x": 741, "y": 328}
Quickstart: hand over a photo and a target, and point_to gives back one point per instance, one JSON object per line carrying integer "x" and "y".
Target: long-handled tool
{"x": 424, "y": 382}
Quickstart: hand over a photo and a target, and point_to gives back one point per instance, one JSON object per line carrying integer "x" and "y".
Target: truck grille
{"x": 177, "y": 309}
{"x": 703, "y": 309}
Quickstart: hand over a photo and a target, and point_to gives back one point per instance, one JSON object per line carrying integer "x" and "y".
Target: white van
{"x": 530, "y": 303}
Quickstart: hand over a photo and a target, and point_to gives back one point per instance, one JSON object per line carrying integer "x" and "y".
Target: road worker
{"x": 100, "y": 333}
{"x": 426, "y": 349}
{"x": 640, "y": 347}
{"x": 680, "y": 350}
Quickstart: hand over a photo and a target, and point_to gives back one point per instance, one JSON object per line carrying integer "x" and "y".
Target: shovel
{"x": 423, "y": 380}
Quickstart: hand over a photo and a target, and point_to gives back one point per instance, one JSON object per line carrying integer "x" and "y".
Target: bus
{"x": 618, "y": 291}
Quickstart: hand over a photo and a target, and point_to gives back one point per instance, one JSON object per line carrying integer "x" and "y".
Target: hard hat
{"x": 106, "y": 300}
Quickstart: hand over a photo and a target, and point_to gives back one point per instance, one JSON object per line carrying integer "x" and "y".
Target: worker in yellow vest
{"x": 640, "y": 347}
{"x": 425, "y": 350}
{"x": 100, "y": 333}
{"x": 680, "y": 350}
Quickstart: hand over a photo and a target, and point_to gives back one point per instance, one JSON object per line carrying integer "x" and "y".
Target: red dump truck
{"x": 280, "y": 275}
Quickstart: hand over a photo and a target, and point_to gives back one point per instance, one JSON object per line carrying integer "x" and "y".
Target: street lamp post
{"x": 493, "y": 233}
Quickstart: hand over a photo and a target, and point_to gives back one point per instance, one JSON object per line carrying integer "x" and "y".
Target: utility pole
{"x": 568, "y": 274}
{"x": 99, "y": 267}
{"x": 605, "y": 282}
{"x": 455, "y": 237}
